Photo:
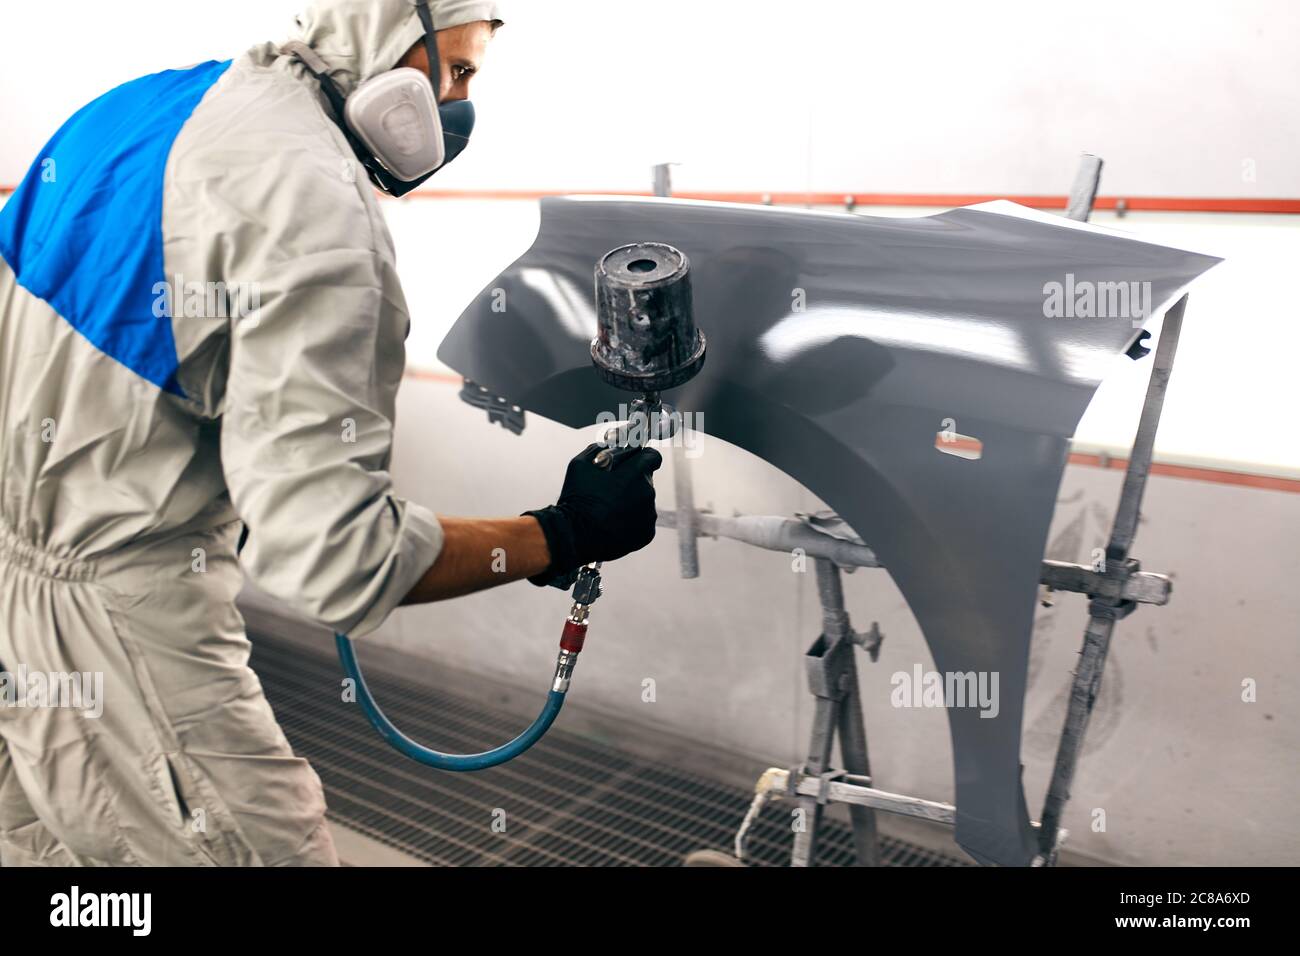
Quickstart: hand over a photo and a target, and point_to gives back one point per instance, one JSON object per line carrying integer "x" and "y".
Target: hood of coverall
{"x": 362, "y": 38}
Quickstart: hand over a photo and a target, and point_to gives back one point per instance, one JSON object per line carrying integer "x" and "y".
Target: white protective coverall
{"x": 148, "y": 413}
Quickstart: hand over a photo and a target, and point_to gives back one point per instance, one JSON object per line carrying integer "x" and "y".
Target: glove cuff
{"x": 560, "y": 542}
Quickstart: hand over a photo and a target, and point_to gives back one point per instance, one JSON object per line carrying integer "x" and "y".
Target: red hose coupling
{"x": 573, "y": 636}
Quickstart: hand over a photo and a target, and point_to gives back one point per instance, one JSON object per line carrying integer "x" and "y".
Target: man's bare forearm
{"x": 479, "y": 553}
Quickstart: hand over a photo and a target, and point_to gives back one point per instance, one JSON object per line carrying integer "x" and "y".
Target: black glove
{"x": 602, "y": 514}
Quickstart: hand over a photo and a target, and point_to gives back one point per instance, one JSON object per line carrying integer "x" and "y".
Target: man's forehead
{"x": 469, "y": 40}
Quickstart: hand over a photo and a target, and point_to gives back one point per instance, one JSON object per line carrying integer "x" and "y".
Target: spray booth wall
{"x": 1185, "y": 770}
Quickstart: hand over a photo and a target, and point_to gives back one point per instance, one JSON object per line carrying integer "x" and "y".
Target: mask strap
{"x": 318, "y": 68}
{"x": 430, "y": 47}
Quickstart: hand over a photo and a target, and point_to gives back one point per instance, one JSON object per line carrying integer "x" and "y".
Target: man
{"x": 143, "y": 433}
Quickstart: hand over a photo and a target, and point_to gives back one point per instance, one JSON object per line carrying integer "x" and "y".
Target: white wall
{"x": 1180, "y": 96}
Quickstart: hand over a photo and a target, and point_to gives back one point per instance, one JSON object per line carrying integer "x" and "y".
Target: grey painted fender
{"x": 839, "y": 346}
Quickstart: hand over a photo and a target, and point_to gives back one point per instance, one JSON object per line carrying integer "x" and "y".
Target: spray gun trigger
{"x": 607, "y": 458}
{"x": 587, "y": 588}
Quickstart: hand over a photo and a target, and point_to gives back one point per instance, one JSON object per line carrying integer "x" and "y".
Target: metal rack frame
{"x": 1114, "y": 589}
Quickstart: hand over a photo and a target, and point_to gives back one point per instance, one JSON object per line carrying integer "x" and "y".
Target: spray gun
{"x": 646, "y": 341}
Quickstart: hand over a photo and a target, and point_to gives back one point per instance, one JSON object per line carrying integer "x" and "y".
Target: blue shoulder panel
{"x": 84, "y": 229}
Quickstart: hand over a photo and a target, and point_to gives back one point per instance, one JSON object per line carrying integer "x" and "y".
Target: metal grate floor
{"x": 567, "y": 802}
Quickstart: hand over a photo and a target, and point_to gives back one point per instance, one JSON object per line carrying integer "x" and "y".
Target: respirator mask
{"x": 393, "y": 121}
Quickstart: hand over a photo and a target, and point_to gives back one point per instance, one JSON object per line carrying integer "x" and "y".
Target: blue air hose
{"x": 575, "y": 632}
{"x": 436, "y": 758}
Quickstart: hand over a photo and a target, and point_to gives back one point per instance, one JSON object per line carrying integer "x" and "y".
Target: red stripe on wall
{"x": 1214, "y": 475}
{"x": 1132, "y": 203}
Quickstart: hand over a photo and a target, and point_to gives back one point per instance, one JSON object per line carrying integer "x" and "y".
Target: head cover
{"x": 390, "y": 117}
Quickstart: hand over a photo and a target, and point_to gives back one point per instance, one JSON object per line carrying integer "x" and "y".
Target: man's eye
{"x": 459, "y": 72}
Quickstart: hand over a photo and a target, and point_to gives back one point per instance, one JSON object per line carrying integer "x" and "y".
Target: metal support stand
{"x": 1105, "y": 610}
{"x": 1083, "y": 193}
{"x": 833, "y": 680}
{"x": 1114, "y": 592}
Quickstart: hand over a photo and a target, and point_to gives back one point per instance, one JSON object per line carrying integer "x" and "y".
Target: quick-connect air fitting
{"x": 571, "y": 641}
